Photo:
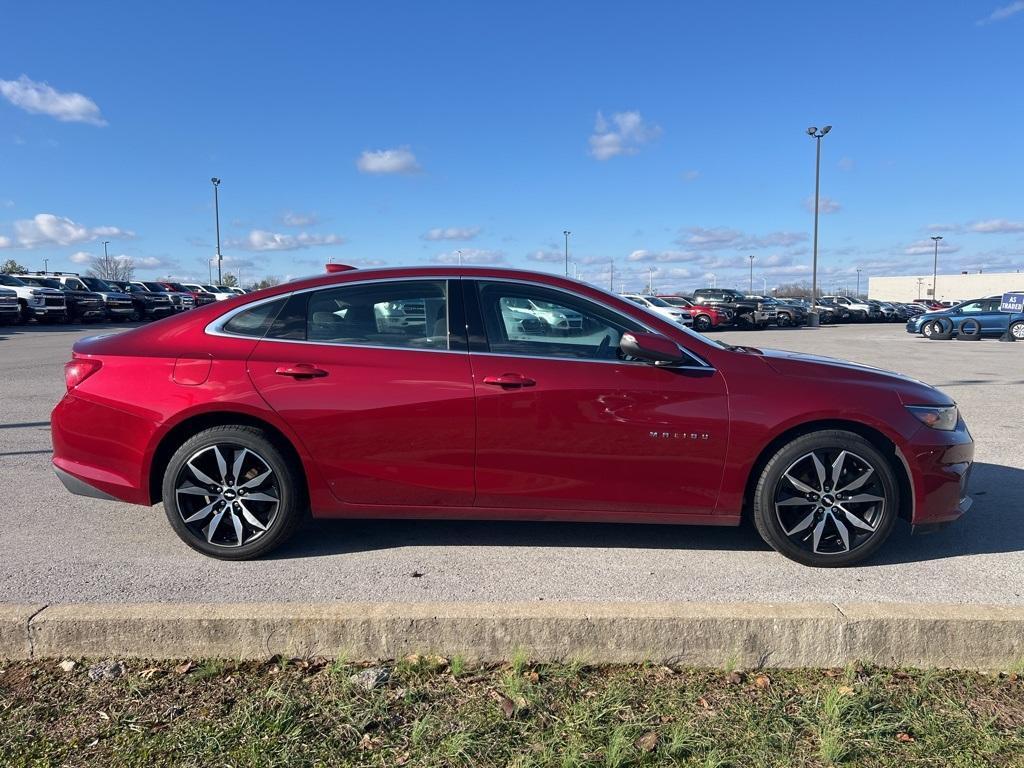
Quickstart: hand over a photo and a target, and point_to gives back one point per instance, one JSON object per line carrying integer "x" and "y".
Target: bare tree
{"x": 11, "y": 267}
{"x": 230, "y": 280}
{"x": 112, "y": 268}
{"x": 794, "y": 289}
{"x": 267, "y": 282}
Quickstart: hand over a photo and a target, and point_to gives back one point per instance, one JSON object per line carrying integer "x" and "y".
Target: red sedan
{"x": 705, "y": 317}
{"x": 433, "y": 392}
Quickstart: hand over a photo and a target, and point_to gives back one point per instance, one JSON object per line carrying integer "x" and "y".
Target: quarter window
{"x": 255, "y": 321}
{"x": 531, "y": 321}
{"x": 410, "y": 314}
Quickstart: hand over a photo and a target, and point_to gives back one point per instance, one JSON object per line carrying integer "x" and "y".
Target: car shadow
{"x": 98, "y": 327}
{"x": 994, "y": 524}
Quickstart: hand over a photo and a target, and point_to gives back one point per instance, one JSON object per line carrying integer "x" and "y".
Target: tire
{"x": 190, "y": 500}
{"x": 974, "y": 334}
{"x": 1016, "y": 330}
{"x": 746, "y": 322}
{"x": 844, "y": 533}
{"x": 783, "y": 321}
{"x": 942, "y": 329}
{"x": 135, "y": 316}
{"x": 702, "y": 323}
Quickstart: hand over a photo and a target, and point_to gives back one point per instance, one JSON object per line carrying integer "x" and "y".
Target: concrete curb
{"x": 709, "y": 634}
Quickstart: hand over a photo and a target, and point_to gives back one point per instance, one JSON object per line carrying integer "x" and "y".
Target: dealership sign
{"x": 1012, "y": 302}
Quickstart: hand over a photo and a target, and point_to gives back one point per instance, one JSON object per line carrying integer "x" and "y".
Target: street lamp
{"x": 566, "y": 232}
{"x": 611, "y": 274}
{"x": 935, "y": 267}
{"x": 216, "y": 217}
{"x": 751, "y": 273}
{"x": 858, "y": 282}
{"x": 105, "y": 244}
{"x": 814, "y": 133}
{"x": 919, "y": 281}
{"x": 765, "y": 291}
{"x": 460, "y": 256}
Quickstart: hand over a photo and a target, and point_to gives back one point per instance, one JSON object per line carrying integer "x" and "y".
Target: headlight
{"x": 943, "y": 417}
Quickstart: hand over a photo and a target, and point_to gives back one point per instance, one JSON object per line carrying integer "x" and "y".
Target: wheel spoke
{"x": 251, "y": 518}
{"x": 256, "y": 480}
{"x": 796, "y": 501}
{"x": 864, "y": 525}
{"x": 236, "y": 469}
{"x": 858, "y": 482}
{"x": 803, "y": 525}
{"x": 222, "y": 465}
{"x": 844, "y": 532}
{"x": 817, "y": 533}
{"x": 837, "y": 468}
{"x": 201, "y": 513}
{"x": 862, "y": 498}
{"x": 238, "y": 528}
{"x": 212, "y": 528}
{"x": 193, "y": 490}
{"x": 802, "y": 487}
{"x": 261, "y": 497}
{"x": 819, "y": 468}
{"x": 201, "y": 476}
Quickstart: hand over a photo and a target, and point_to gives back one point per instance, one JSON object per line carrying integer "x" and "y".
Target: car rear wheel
{"x": 783, "y": 321}
{"x": 1017, "y": 330}
{"x": 827, "y": 499}
{"x": 230, "y": 493}
{"x": 702, "y": 323}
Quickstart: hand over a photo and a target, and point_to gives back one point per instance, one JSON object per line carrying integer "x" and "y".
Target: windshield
{"x": 656, "y": 302}
{"x": 210, "y": 288}
{"x": 8, "y": 280}
{"x": 94, "y": 283}
{"x": 46, "y": 283}
{"x": 177, "y": 287}
{"x": 155, "y": 287}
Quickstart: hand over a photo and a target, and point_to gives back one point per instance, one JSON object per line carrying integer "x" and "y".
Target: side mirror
{"x": 651, "y": 347}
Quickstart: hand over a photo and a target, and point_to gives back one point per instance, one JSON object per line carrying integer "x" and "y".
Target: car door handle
{"x": 509, "y": 381}
{"x": 301, "y": 371}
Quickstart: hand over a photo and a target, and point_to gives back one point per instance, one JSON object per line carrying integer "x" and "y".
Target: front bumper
{"x": 940, "y": 467}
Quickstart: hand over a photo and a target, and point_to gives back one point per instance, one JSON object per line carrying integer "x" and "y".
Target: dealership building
{"x": 950, "y": 287}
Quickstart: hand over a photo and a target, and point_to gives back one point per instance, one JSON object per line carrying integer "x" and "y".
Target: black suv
{"x": 82, "y": 306}
{"x": 146, "y": 305}
{"x": 787, "y": 313}
{"x": 748, "y": 313}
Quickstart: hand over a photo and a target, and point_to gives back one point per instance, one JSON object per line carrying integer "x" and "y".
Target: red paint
{"x": 420, "y": 433}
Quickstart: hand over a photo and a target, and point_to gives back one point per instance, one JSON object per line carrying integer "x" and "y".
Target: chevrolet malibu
{"x": 245, "y": 415}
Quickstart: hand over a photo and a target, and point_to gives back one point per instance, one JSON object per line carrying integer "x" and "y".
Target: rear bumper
{"x": 79, "y": 487}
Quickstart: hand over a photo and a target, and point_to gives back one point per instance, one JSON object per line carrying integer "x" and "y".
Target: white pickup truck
{"x": 42, "y": 304}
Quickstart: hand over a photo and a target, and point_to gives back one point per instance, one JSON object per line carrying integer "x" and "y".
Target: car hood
{"x": 911, "y": 391}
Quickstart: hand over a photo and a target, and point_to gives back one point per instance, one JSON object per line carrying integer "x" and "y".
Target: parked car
{"x": 180, "y": 300}
{"x": 10, "y": 312}
{"x": 859, "y": 310}
{"x": 46, "y": 305}
{"x": 985, "y": 311}
{"x": 543, "y": 317}
{"x": 245, "y": 417}
{"x": 826, "y": 314}
{"x": 83, "y": 306}
{"x": 117, "y": 303}
{"x": 199, "y": 298}
{"x": 704, "y": 316}
{"x": 230, "y": 289}
{"x": 786, "y": 313}
{"x": 146, "y": 304}
{"x": 748, "y": 313}
{"x": 209, "y": 290}
{"x": 660, "y": 307}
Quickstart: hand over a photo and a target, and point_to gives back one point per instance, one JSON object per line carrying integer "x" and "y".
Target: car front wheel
{"x": 230, "y": 493}
{"x": 827, "y": 499}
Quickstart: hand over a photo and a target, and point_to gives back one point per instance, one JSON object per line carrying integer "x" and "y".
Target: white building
{"x": 950, "y": 287}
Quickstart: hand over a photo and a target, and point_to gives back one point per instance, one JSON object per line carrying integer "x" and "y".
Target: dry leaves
{"x": 647, "y": 742}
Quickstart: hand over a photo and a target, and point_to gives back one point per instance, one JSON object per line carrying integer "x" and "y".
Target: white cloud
{"x": 663, "y": 256}
{"x": 622, "y": 135}
{"x": 47, "y": 229}
{"x": 80, "y": 257}
{"x": 262, "y": 240}
{"x": 471, "y": 256}
{"x": 42, "y": 99}
{"x": 997, "y": 226}
{"x": 5, "y": 242}
{"x": 398, "y": 160}
{"x": 943, "y": 228}
{"x": 292, "y": 219}
{"x": 691, "y": 175}
{"x": 546, "y": 256}
{"x": 451, "y": 233}
{"x": 715, "y": 238}
{"x": 1002, "y": 13}
{"x": 150, "y": 262}
{"x": 825, "y": 205}
{"x": 921, "y": 247}
{"x": 846, "y": 164}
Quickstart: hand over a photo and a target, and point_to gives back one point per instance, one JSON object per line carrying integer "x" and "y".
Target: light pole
{"x": 46, "y": 265}
{"x": 216, "y": 218}
{"x": 566, "y": 232}
{"x": 935, "y": 267}
{"x": 105, "y": 244}
{"x": 751, "y": 273}
{"x": 611, "y": 274}
{"x": 814, "y": 133}
{"x": 650, "y": 281}
{"x": 460, "y": 256}
{"x": 919, "y": 281}
{"x": 765, "y": 291}
{"x": 858, "y": 282}
{"x": 714, "y": 280}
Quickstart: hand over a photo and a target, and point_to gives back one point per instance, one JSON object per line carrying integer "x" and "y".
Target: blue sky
{"x": 664, "y": 135}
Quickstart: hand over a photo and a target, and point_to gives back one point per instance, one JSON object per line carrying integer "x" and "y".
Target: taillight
{"x": 79, "y": 370}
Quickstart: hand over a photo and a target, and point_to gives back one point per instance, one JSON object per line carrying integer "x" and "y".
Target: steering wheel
{"x": 602, "y": 348}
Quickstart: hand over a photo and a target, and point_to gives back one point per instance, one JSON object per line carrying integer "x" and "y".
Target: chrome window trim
{"x": 216, "y": 326}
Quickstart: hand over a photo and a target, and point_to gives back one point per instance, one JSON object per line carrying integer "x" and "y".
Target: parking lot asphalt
{"x": 59, "y": 548}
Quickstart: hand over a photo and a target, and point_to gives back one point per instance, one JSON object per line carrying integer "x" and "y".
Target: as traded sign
{"x": 1012, "y": 302}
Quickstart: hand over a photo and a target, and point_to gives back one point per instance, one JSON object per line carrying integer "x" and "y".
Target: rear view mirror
{"x": 651, "y": 347}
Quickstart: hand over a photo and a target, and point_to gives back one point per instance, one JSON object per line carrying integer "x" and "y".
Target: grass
{"x": 438, "y": 712}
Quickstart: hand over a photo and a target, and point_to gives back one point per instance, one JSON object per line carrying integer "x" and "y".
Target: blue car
{"x": 985, "y": 311}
